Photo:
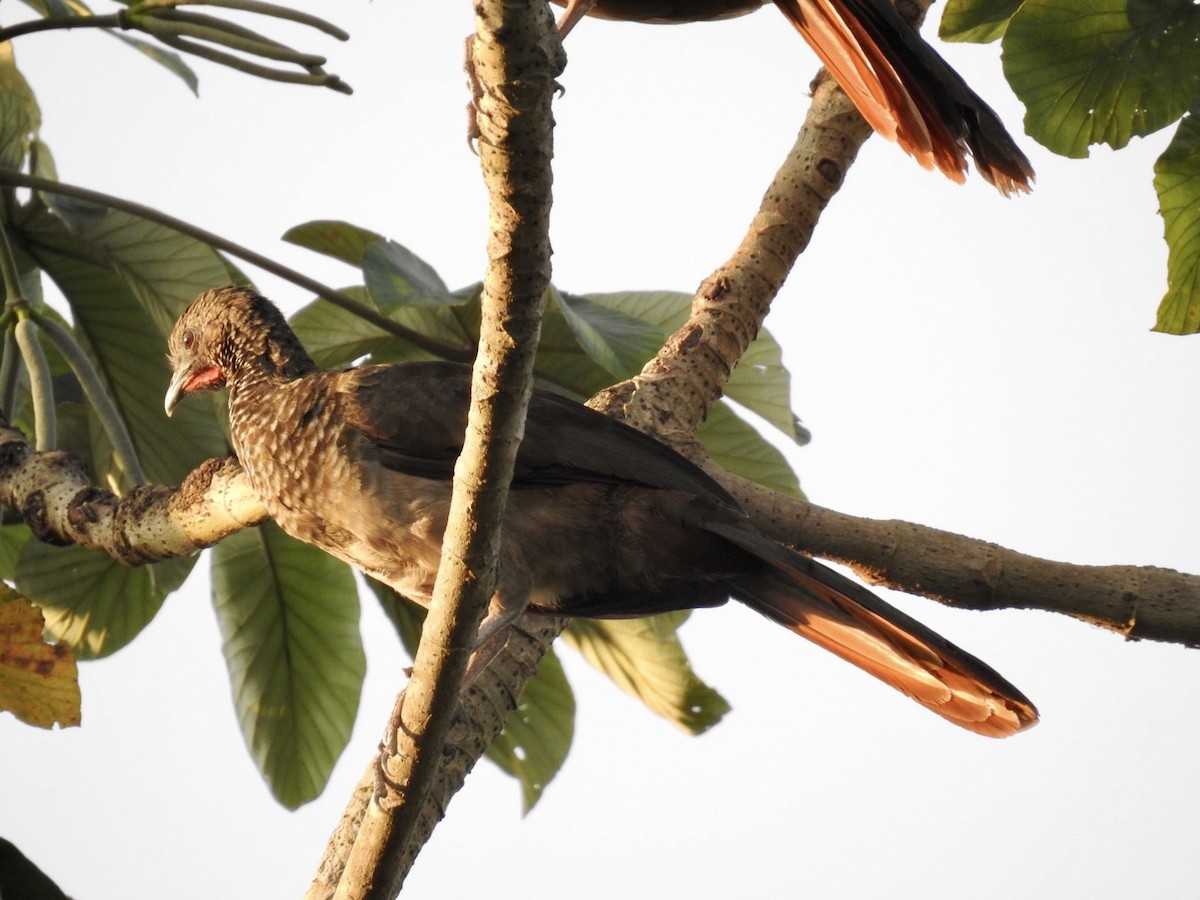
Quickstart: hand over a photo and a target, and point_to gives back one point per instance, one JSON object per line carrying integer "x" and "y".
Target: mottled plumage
{"x": 601, "y": 520}
{"x": 902, "y": 87}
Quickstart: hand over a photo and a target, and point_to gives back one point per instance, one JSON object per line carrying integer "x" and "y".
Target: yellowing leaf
{"x": 39, "y": 682}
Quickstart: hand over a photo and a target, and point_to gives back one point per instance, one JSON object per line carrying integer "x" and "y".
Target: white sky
{"x": 967, "y": 362}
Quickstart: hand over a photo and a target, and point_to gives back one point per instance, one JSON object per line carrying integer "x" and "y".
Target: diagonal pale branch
{"x": 672, "y": 394}
{"x": 516, "y": 76}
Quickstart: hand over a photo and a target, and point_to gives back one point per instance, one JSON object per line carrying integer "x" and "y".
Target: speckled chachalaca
{"x": 601, "y": 521}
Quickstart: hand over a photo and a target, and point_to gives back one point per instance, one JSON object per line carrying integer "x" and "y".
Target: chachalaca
{"x": 902, "y": 87}
{"x": 602, "y": 520}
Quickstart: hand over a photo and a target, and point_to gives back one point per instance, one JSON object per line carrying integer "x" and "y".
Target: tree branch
{"x": 1139, "y": 602}
{"x": 672, "y": 394}
{"x": 516, "y": 75}
{"x": 150, "y": 523}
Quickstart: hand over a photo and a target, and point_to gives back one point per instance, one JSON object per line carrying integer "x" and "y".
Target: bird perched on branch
{"x": 602, "y": 520}
{"x": 904, "y": 90}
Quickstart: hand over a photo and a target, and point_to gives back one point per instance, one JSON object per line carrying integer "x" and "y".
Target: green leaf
{"x": 172, "y": 62}
{"x": 977, "y": 21}
{"x": 562, "y": 364}
{"x": 289, "y": 622}
{"x": 1092, "y": 71}
{"x": 20, "y": 117}
{"x": 761, "y": 383}
{"x": 395, "y": 276}
{"x": 665, "y": 310}
{"x": 617, "y": 342}
{"x": 126, "y": 281}
{"x": 1177, "y": 181}
{"x": 645, "y": 659}
{"x": 39, "y": 682}
{"x": 13, "y": 538}
{"x": 93, "y": 603}
{"x": 335, "y": 337}
{"x": 537, "y": 734}
{"x": 736, "y": 445}
{"x": 340, "y": 240}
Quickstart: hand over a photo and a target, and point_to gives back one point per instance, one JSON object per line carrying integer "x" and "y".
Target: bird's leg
{"x": 505, "y": 607}
{"x": 475, "y": 89}
{"x": 576, "y": 10}
{"x": 493, "y": 633}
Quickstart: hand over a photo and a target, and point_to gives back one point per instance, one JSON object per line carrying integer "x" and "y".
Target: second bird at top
{"x": 902, "y": 87}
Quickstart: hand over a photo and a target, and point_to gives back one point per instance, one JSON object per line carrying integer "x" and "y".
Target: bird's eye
{"x": 187, "y": 339}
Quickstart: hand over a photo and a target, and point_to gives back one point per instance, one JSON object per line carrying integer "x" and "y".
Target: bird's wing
{"x": 415, "y": 416}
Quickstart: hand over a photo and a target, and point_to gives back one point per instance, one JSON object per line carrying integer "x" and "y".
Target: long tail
{"x": 907, "y": 92}
{"x": 845, "y": 618}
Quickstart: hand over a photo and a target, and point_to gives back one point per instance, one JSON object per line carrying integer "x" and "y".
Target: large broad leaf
{"x": 978, "y": 21}
{"x": 340, "y": 240}
{"x": 39, "y": 682}
{"x": 94, "y": 604}
{"x": 395, "y": 276}
{"x": 289, "y": 621}
{"x": 538, "y": 733}
{"x": 1091, "y": 71}
{"x": 736, "y": 445}
{"x": 760, "y": 382}
{"x": 335, "y": 337}
{"x": 645, "y": 659}
{"x": 13, "y": 538}
{"x": 613, "y": 340}
{"x": 19, "y": 114}
{"x": 587, "y": 341}
{"x": 126, "y": 281}
{"x": 1177, "y": 180}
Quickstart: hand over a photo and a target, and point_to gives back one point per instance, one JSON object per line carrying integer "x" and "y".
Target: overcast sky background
{"x": 963, "y": 361}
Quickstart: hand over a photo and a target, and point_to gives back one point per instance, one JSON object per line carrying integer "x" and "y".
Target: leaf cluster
{"x": 1107, "y": 71}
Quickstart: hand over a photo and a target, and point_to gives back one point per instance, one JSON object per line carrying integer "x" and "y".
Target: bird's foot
{"x": 387, "y": 787}
{"x": 475, "y": 88}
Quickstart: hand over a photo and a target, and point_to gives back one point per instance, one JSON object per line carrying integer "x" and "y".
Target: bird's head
{"x": 225, "y": 335}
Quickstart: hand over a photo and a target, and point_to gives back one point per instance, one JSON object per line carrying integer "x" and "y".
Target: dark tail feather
{"x": 845, "y": 618}
{"x": 907, "y": 92}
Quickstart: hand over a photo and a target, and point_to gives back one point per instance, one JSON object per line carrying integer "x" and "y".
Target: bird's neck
{"x": 276, "y": 360}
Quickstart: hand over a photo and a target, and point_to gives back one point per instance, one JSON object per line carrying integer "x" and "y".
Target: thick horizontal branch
{"x": 54, "y": 496}
{"x": 60, "y": 504}
{"x": 1140, "y": 602}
